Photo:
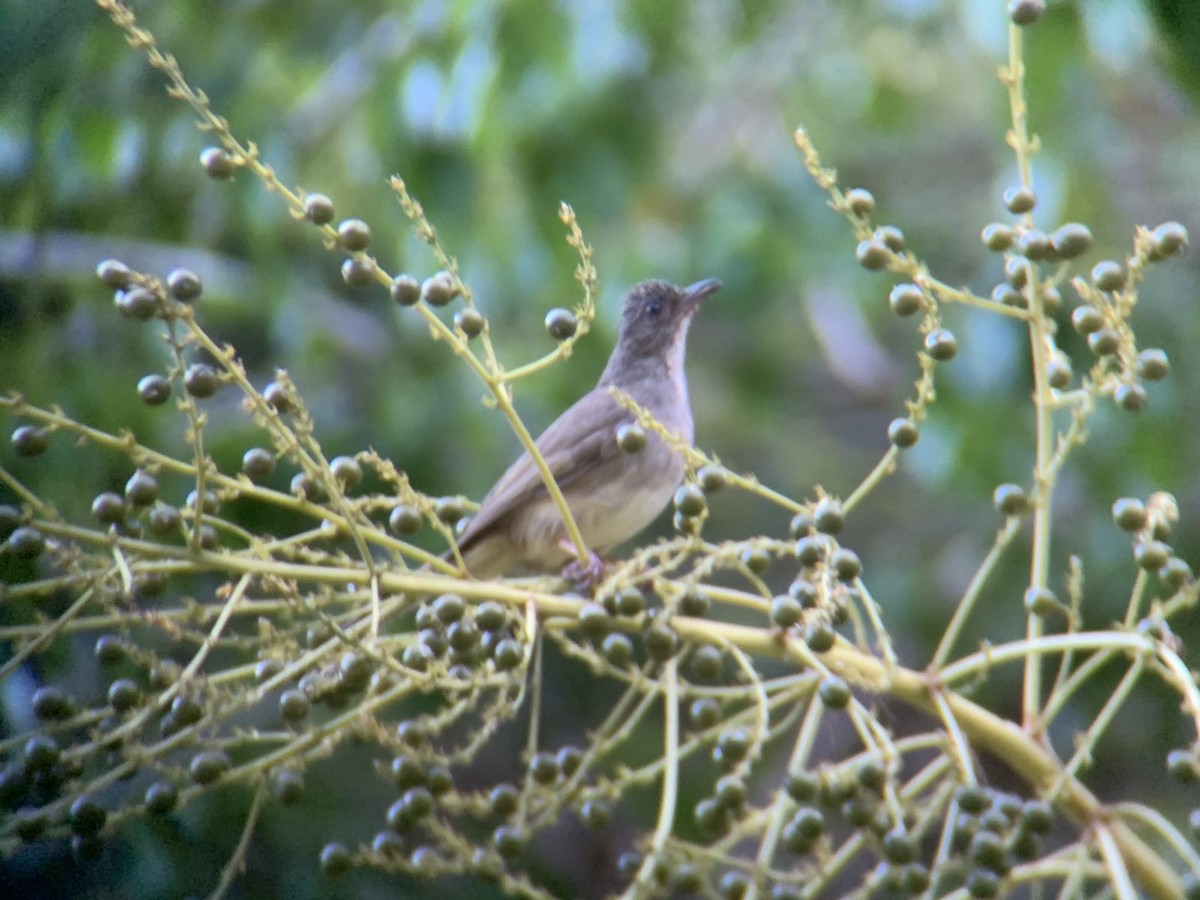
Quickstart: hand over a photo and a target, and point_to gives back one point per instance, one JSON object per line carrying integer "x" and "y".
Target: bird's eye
{"x": 653, "y": 308}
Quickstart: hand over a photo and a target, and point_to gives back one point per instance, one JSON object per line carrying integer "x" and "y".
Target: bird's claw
{"x": 584, "y": 575}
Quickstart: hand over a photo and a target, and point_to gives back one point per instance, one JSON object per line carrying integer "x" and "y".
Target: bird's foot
{"x": 585, "y": 576}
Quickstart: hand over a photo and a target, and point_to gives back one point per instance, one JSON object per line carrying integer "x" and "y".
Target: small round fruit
{"x": 184, "y": 285}
{"x": 1153, "y": 364}
{"x": 359, "y": 271}
{"x": 258, "y": 463}
{"x": 903, "y": 432}
{"x": 470, "y": 321}
{"x": 109, "y": 508}
{"x": 26, "y": 543}
{"x": 1010, "y": 500}
{"x": 354, "y": 235}
{"x": 335, "y": 859}
{"x": 141, "y": 489}
{"x": 1104, "y": 342}
{"x": 941, "y": 344}
{"x": 828, "y": 516}
{"x": 114, "y": 273}
{"x": 631, "y": 437}
{"x": 405, "y": 519}
{"x": 786, "y": 611}
{"x": 872, "y": 254}
{"x": 1071, "y": 240}
{"x": 30, "y": 440}
{"x": 561, "y": 324}
{"x": 318, "y": 209}
{"x": 137, "y": 303}
{"x": 906, "y": 299}
{"x": 276, "y": 396}
{"x": 1087, "y": 319}
{"x": 1170, "y": 238}
{"x": 997, "y": 236}
{"x": 1020, "y": 200}
{"x": 689, "y": 500}
{"x": 1026, "y": 12}
{"x": 405, "y": 290}
{"x": 217, "y": 164}
{"x": 439, "y": 289}
{"x": 1108, "y": 275}
{"x": 860, "y": 201}
{"x": 346, "y": 470}
{"x": 201, "y": 380}
{"x": 154, "y": 390}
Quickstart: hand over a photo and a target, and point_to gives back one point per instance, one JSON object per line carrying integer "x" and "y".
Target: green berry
{"x": 154, "y": 390}
{"x": 631, "y": 437}
{"x": 346, "y": 470}
{"x": 828, "y": 516}
{"x": 405, "y": 290}
{"x": 997, "y": 236}
{"x": 439, "y": 289}
{"x": 258, "y": 463}
{"x": 1170, "y": 238}
{"x": 109, "y": 508}
{"x": 712, "y": 478}
{"x": 208, "y": 765}
{"x": 318, "y": 209}
{"x": 1026, "y": 12}
{"x": 906, "y": 299}
{"x": 141, "y": 489}
{"x": 1108, "y": 275}
{"x": 1010, "y": 500}
{"x": 860, "y": 201}
{"x": 1020, "y": 200}
{"x": 1152, "y": 364}
{"x": 845, "y": 564}
{"x": 561, "y": 324}
{"x": 335, "y": 859}
{"x": 354, "y": 235}
{"x": 785, "y": 611}
{"x": 689, "y": 500}
{"x": 470, "y": 321}
{"x": 184, "y": 285}
{"x": 160, "y": 798}
{"x": 26, "y": 543}
{"x": 1035, "y": 245}
{"x": 872, "y": 254}
{"x": 1131, "y": 397}
{"x": 1087, "y": 319}
{"x": 30, "y": 440}
{"x": 1104, "y": 342}
{"x": 834, "y": 692}
{"x": 114, "y": 273}
{"x": 617, "y": 649}
{"x": 201, "y": 380}
{"x": 405, "y": 519}
{"x": 941, "y": 344}
{"x": 903, "y": 433}
{"x": 217, "y": 164}
{"x": 1071, "y": 240}
{"x": 137, "y": 303}
{"x": 358, "y": 271}
{"x": 87, "y": 817}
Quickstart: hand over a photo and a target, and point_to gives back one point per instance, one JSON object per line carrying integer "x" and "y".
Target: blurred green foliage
{"x": 668, "y": 128}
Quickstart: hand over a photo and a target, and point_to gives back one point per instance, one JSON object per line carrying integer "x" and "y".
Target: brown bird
{"x": 611, "y": 494}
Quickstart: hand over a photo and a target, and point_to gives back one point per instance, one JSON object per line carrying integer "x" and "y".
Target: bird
{"x": 612, "y": 494}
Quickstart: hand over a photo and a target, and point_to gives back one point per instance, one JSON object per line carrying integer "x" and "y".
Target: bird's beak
{"x": 694, "y": 293}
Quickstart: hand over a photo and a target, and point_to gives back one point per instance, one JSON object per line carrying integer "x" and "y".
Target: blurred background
{"x": 668, "y": 128}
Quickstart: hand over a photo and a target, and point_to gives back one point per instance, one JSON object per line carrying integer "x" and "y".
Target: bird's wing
{"x": 576, "y": 443}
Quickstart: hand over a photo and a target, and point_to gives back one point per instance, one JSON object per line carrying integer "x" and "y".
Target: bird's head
{"x": 655, "y": 318}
